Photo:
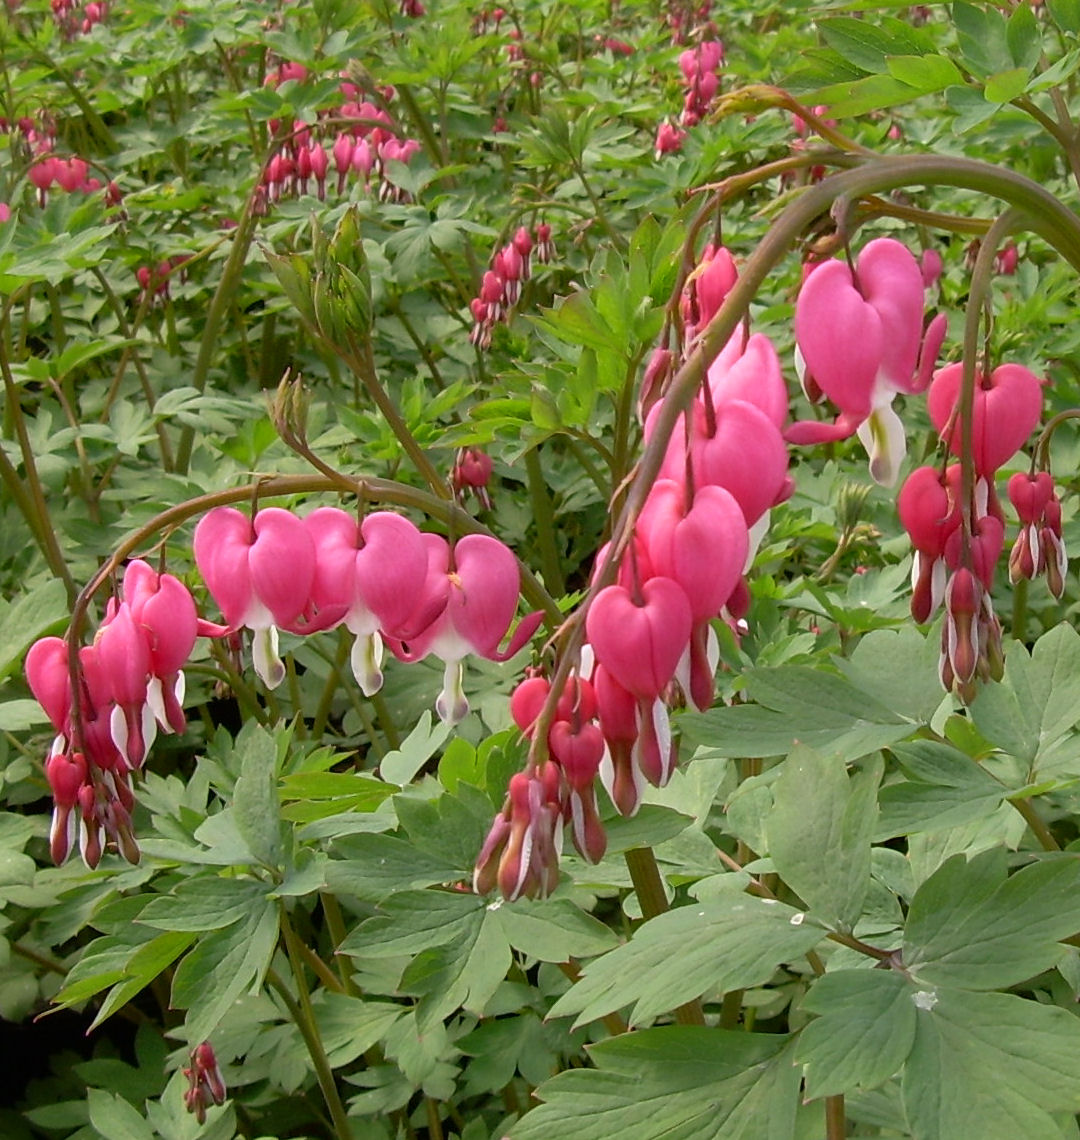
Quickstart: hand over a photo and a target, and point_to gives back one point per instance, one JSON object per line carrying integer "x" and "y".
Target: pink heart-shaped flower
{"x": 640, "y": 644}
{"x": 1006, "y": 410}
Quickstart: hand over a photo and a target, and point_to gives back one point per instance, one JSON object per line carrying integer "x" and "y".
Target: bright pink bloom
{"x": 1007, "y": 407}
{"x": 669, "y": 139}
{"x": 860, "y": 338}
{"x": 260, "y": 573}
{"x": 466, "y": 606}
{"x": 371, "y": 574}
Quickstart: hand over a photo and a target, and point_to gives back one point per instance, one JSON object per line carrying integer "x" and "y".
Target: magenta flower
{"x": 1007, "y": 407}
{"x": 466, "y": 606}
{"x": 260, "y": 573}
{"x": 371, "y": 572}
{"x": 861, "y": 338}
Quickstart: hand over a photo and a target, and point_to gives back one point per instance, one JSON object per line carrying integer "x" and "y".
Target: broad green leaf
{"x": 806, "y": 705}
{"x": 401, "y": 765}
{"x": 925, "y": 73}
{"x": 863, "y": 1034}
{"x": 1023, "y": 37}
{"x": 115, "y": 1119}
{"x": 873, "y": 93}
{"x": 221, "y": 967}
{"x": 990, "y": 1065}
{"x": 255, "y": 803}
{"x": 1066, "y": 14}
{"x": 672, "y": 1083}
{"x": 946, "y": 789}
{"x": 27, "y": 618}
{"x": 375, "y": 866}
{"x": 726, "y": 943}
{"x": 553, "y": 930}
{"x": 142, "y": 968}
{"x": 1006, "y": 85}
{"x": 819, "y": 833}
{"x": 970, "y": 926}
{"x": 983, "y": 38}
{"x": 1038, "y": 701}
{"x": 868, "y": 44}
{"x": 463, "y": 972}
{"x": 413, "y": 921}
{"x": 19, "y": 715}
{"x": 349, "y": 1025}
{"x": 205, "y": 903}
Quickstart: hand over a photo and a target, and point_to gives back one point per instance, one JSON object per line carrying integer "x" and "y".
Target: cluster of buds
{"x": 154, "y": 282}
{"x": 1039, "y": 547}
{"x": 380, "y": 577}
{"x": 205, "y": 1083}
{"x": 684, "y": 18}
{"x": 308, "y": 159}
{"x": 487, "y": 20}
{"x": 129, "y": 684}
{"x": 71, "y": 20}
{"x": 500, "y": 288}
{"x": 471, "y": 475}
{"x": 700, "y": 67}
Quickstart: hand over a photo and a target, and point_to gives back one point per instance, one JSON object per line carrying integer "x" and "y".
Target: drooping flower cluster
{"x": 700, "y": 67}
{"x": 313, "y": 155}
{"x": 650, "y": 640}
{"x": 521, "y": 852}
{"x": 381, "y": 578}
{"x": 73, "y": 20}
{"x": 958, "y": 543}
{"x": 131, "y": 684}
{"x": 500, "y": 288}
{"x": 206, "y": 1085}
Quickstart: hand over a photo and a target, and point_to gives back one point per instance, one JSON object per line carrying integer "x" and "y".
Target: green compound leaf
{"x": 990, "y": 1065}
{"x": 819, "y": 833}
{"x": 863, "y": 1035}
{"x": 970, "y": 926}
{"x": 672, "y": 1084}
{"x": 727, "y": 943}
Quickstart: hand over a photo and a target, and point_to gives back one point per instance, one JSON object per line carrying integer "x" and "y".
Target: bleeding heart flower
{"x": 640, "y": 640}
{"x": 1006, "y": 410}
{"x": 468, "y": 607}
{"x": 260, "y": 572}
{"x": 860, "y": 336}
{"x": 368, "y": 575}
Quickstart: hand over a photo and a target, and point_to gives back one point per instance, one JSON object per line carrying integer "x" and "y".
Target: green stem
{"x": 362, "y": 361}
{"x": 835, "y": 1124}
{"x": 224, "y": 297}
{"x": 39, "y": 518}
{"x": 1019, "y": 613}
{"x": 544, "y": 518}
{"x": 649, "y": 887}
{"x": 335, "y": 923}
{"x": 304, "y": 1016}
{"x": 1038, "y": 826}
